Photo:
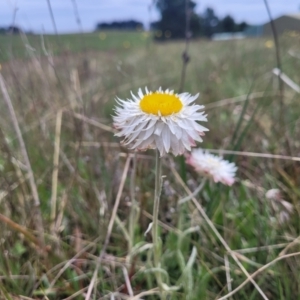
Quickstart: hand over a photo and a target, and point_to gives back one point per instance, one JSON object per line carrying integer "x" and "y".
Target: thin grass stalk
{"x": 65, "y": 193}
{"x": 55, "y": 169}
{"x": 122, "y": 228}
{"x": 242, "y": 98}
{"x": 93, "y": 122}
{"x": 13, "y": 24}
{"x": 52, "y": 17}
{"x": 155, "y": 233}
{"x": 182, "y": 207}
{"x": 146, "y": 293}
{"x": 281, "y": 115}
{"x": 78, "y": 21}
{"x": 49, "y": 56}
{"x": 185, "y": 55}
{"x": 23, "y": 187}
{"x": 14, "y": 186}
{"x": 237, "y": 141}
{"x": 287, "y": 80}
{"x": 185, "y": 60}
{"x": 241, "y": 118}
{"x": 279, "y": 65}
{"x": 161, "y": 224}
{"x": 196, "y": 191}
{"x": 127, "y": 282}
{"x": 37, "y": 219}
{"x": 19, "y": 229}
{"x": 228, "y": 277}
{"x": 244, "y": 132}
{"x": 61, "y": 210}
{"x": 5, "y": 293}
{"x": 254, "y": 154}
{"x": 262, "y": 248}
{"x": 150, "y": 6}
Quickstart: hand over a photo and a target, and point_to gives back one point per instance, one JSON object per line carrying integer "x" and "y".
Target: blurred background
{"x": 34, "y": 16}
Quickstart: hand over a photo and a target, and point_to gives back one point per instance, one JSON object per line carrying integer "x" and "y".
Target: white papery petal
{"x": 178, "y": 133}
{"x": 186, "y": 141}
{"x": 159, "y": 128}
{"x": 140, "y": 93}
{"x": 175, "y": 145}
{"x": 149, "y": 132}
{"x": 134, "y": 97}
{"x": 166, "y": 138}
{"x": 132, "y": 138}
{"x": 194, "y": 135}
{"x": 171, "y": 126}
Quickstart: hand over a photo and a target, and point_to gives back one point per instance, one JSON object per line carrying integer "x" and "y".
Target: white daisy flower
{"x": 161, "y": 120}
{"x": 212, "y": 166}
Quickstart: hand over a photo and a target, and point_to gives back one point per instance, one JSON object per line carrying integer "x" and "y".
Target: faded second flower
{"x": 212, "y": 166}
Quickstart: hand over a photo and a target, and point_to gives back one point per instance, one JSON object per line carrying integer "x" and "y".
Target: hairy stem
{"x": 134, "y": 208}
{"x": 155, "y": 237}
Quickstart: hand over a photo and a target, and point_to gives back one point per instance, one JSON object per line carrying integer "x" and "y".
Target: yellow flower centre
{"x": 160, "y": 104}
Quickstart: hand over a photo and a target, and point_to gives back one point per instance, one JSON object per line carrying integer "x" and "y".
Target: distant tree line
{"x": 173, "y": 19}
{"x": 10, "y": 30}
{"x": 172, "y": 23}
{"x": 120, "y": 25}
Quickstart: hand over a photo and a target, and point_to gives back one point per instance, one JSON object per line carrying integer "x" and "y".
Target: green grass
{"x": 85, "y": 83}
{"x": 17, "y": 46}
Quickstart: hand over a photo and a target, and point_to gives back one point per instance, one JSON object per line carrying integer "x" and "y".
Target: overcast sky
{"x": 34, "y": 14}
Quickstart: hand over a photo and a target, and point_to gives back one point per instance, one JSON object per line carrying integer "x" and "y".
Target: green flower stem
{"x": 134, "y": 207}
{"x": 155, "y": 237}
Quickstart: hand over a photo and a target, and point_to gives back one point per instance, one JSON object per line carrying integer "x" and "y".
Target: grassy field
{"x": 21, "y": 46}
{"x": 63, "y": 100}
